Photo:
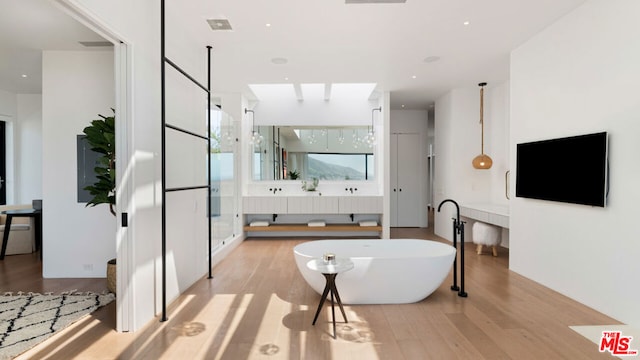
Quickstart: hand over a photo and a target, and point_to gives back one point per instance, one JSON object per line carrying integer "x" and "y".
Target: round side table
{"x": 330, "y": 271}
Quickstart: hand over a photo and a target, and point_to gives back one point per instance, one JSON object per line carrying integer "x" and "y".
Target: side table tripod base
{"x": 330, "y": 270}
{"x": 330, "y": 287}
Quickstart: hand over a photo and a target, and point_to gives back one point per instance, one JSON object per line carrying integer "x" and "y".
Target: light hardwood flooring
{"x": 259, "y": 307}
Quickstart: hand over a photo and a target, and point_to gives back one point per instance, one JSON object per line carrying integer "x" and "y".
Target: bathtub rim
{"x": 449, "y": 247}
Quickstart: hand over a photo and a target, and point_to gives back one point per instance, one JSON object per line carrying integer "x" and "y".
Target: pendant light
{"x": 482, "y": 161}
{"x": 256, "y": 138}
{"x": 370, "y": 138}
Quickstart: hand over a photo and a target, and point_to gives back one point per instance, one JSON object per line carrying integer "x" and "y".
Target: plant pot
{"x": 111, "y": 275}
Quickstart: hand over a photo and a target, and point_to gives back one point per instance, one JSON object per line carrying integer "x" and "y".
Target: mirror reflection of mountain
{"x": 325, "y": 171}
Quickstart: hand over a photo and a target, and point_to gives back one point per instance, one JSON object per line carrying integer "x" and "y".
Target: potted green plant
{"x": 294, "y": 175}
{"x": 101, "y": 136}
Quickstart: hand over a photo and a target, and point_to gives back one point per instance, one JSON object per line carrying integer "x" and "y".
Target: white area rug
{"x": 594, "y": 333}
{"x": 28, "y": 319}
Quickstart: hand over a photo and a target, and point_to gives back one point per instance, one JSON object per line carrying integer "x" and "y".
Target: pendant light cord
{"x": 482, "y": 85}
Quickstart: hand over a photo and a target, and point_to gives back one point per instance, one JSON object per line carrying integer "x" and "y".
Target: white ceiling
{"x": 323, "y": 41}
{"x": 26, "y": 28}
{"x": 328, "y": 41}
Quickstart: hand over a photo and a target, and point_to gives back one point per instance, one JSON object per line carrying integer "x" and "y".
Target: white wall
{"x": 458, "y": 141}
{"x": 8, "y": 103}
{"x": 579, "y": 76}
{"x": 28, "y": 145}
{"x": 416, "y": 122}
{"x": 76, "y": 87}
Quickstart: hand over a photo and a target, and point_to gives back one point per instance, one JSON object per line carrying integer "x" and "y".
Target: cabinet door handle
{"x": 506, "y": 184}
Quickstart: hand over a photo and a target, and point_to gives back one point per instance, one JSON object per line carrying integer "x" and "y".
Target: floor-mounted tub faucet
{"x": 458, "y": 229}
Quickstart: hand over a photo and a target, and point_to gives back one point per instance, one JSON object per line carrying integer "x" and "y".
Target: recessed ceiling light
{"x": 286, "y": 78}
{"x": 430, "y": 59}
{"x": 413, "y": 76}
{"x": 24, "y": 75}
{"x": 466, "y": 23}
{"x": 267, "y": 25}
{"x": 402, "y": 105}
{"x": 279, "y": 61}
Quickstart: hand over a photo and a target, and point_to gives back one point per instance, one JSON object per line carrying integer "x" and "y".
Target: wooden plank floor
{"x": 259, "y": 307}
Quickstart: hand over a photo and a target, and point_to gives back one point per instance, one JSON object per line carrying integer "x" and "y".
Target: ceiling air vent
{"x": 96, "y": 43}
{"x": 374, "y": 1}
{"x": 219, "y": 24}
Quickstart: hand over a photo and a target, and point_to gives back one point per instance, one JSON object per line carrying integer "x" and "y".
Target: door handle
{"x": 506, "y": 184}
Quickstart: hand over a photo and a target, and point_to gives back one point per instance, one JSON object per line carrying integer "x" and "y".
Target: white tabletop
{"x": 340, "y": 265}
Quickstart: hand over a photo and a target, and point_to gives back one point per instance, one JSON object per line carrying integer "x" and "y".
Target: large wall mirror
{"x": 307, "y": 152}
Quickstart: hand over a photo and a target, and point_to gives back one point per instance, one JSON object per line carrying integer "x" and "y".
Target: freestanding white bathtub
{"x": 396, "y": 271}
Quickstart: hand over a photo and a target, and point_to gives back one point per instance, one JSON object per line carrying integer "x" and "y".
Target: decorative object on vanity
{"x": 482, "y": 161}
{"x": 310, "y": 186}
{"x": 458, "y": 229}
{"x": 486, "y": 234}
{"x": 256, "y": 138}
{"x": 294, "y": 175}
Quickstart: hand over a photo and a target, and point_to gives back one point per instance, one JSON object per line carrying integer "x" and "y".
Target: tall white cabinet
{"x": 405, "y": 188}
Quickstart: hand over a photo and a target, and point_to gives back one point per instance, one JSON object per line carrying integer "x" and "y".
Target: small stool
{"x": 330, "y": 270}
{"x": 485, "y": 234}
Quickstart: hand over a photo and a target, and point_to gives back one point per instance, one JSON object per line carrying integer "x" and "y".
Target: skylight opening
{"x": 312, "y": 91}
{"x": 273, "y": 91}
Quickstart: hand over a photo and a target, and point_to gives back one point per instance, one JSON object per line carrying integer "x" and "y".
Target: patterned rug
{"x": 28, "y": 319}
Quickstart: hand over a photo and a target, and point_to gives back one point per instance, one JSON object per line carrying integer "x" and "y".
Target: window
{"x": 339, "y": 166}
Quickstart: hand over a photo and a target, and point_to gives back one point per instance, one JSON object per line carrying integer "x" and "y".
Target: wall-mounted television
{"x": 570, "y": 169}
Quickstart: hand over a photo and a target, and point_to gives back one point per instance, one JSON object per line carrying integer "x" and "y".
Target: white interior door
{"x": 394, "y": 181}
{"x": 409, "y": 196}
{"x": 405, "y": 180}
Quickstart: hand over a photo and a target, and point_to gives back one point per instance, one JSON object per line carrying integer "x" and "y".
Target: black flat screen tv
{"x": 571, "y": 169}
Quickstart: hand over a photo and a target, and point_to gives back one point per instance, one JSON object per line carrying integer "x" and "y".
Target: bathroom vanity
{"x": 291, "y": 214}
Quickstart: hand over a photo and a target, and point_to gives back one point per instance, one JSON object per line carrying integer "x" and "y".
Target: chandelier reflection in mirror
{"x": 256, "y": 138}
{"x": 311, "y": 139}
{"x": 370, "y": 138}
